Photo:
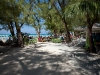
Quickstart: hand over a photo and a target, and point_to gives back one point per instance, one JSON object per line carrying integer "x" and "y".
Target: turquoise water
{"x": 6, "y": 36}
{"x": 35, "y": 35}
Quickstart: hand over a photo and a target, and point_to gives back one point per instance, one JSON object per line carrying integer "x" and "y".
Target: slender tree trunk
{"x": 11, "y": 28}
{"x": 19, "y": 36}
{"x": 63, "y": 6}
{"x": 90, "y": 39}
{"x": 38, "y": 33}
{"x": 89, "y": 33}
{"x": 67, "y": 32}
{"x": 55, "y": 33}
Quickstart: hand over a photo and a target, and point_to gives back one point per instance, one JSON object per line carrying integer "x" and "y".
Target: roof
{"x": 95, "y": 28}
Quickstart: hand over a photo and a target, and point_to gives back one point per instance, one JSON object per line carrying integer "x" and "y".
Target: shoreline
{"x": 6, "y": 36}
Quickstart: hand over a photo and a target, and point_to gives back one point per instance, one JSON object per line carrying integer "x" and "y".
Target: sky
{"x": 26, "y": 29}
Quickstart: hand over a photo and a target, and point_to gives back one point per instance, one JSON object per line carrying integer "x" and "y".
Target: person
{"x": 62, "y": 38}
{"x": 40, "y": 39}
{"x": 48, "y": 38}
{"x": 71, "y": 37}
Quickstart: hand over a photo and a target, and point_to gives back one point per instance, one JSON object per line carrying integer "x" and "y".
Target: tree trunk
{"x": 67, "y": 32}
{"x": 55, "y": 34}
{"x": 11, "y": 28}
{"x": 89, "y": 33}
{"x": 38, "y": 33}
{"x": 90, "y": 39}
{"x": 19, "y": 36}
{"x": 63, "y": 6}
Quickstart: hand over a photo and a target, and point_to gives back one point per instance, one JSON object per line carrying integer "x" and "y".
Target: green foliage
{"x": 7, "y": 11}
{"x": 86, "y": 12}
{"x": 29, "y": 41}
{"x": 50, "y": 15}
{"x": 56, "y": 40}
{"x": 10, "y": 11}
{"x": 26, "y": 41}
{"x": 77, "y": 11}
{"x": 33, "y": 18}
{"x": 32, "y": 41}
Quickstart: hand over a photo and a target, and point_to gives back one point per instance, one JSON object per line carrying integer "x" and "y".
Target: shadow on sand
{"x": 31, "y": 61}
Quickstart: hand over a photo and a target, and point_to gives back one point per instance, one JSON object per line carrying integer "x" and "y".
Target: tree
{"x": 53, "y": 14}
{"x": 15, "y": 21}
{"x": 60, "y": 6}
{"x": 91, "y": 11}
{"x": 52, "y": 20}
{"x": 33, "y": 19}
{"x": 6, "y": 16}
{"x": 14, "y": 14}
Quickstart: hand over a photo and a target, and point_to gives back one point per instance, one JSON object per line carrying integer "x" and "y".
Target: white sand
{"x": 49, "y": 59}
{"x": 54, "y": 48}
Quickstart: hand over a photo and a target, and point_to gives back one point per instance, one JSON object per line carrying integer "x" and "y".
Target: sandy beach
{"x": 46, "y": 58}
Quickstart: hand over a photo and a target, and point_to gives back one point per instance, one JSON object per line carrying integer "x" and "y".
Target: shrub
{"x": 33, "y": 41}
{"x": 56, "y": 40}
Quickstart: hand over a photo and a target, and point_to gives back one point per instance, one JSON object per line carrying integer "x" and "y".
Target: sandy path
{"x": 49, "y": 59}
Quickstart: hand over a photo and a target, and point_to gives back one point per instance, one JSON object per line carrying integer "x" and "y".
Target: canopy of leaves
{"x": 78, "y": 10}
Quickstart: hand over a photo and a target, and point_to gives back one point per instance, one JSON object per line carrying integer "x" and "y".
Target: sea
{"x": 6, "y": 36}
